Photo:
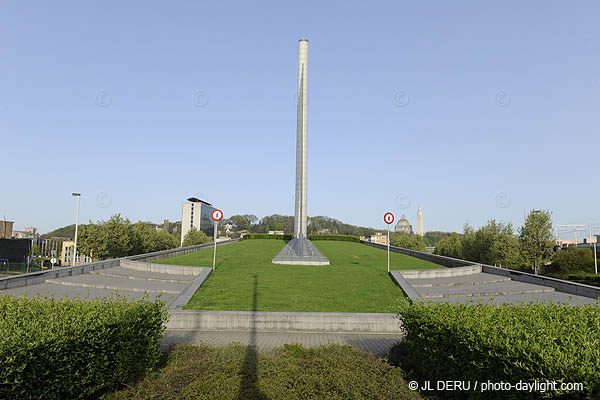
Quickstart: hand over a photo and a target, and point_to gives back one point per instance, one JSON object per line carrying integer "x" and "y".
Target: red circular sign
{"x": 388, "y": 218}
{"x": 217, "y": 215}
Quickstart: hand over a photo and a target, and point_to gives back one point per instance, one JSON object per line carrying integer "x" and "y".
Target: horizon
{"x": 473, "y": 111}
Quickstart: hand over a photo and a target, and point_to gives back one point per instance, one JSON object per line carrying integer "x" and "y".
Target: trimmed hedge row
{"x": 342, "y": 238}
{"x": 288, "y": 372}
{"x": 267, "y": 236}
{"x": 508, "y": 342}
{"x": 76, "y": 349}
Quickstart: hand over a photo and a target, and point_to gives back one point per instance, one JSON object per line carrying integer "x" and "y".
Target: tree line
{"x": 530, "y": 248}
{"x": 119, "y": 237}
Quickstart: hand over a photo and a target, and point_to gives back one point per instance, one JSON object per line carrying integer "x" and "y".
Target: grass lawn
{"x": 288, "y": 372}
{"x": 246, "y": 280}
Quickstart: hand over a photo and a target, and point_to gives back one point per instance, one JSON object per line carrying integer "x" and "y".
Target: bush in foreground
{"x": 72, "y": 348}
{"x": 509, "y": 342}
{"x": 289, "y": 372}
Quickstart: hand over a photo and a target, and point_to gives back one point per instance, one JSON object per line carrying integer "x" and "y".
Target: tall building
{"x": 6, "y": 229}
{"x": 420, "y": 222}
{"x": 196, "y": 213}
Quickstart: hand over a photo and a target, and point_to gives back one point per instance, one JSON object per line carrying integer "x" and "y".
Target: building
{"x": 379, "y": 238}
{"x": 403, "y": 227}
{"x": 276, "y": 232}
{"x": 66, "y": 255}
{"x": 15, "y": 250}
{"x": 420, "y": 222}
{"x": 196, "y": 213}
{"x": 6, "y": 229}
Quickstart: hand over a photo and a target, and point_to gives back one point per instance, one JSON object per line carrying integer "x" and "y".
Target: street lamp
{"x": 78, "y": 195}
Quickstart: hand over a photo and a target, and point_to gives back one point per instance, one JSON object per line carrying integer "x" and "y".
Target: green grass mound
{"x": 503, "y": 343}
{"x": 289, "y": 372}
{"x": 75, "y": 349}
{"x": 245, "y": 279}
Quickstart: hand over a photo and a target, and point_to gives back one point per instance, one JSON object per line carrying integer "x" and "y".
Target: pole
{"x": 215, "y": 240}
{"x": 76, "y": 226}
{"x": 388, "y": 248}
{"x": 595, "y": 259}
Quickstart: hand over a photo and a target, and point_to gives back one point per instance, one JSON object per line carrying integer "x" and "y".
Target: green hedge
{"x": 343, "y": 238}
{"x": 593, "y": 278}
{"x": 509, "y": 343}
{"x": 290, "y": 372}
{"x": 267, "y": 236}
{"x": 73, "y": 348}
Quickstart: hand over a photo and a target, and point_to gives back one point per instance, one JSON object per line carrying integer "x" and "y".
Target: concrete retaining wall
{"x": 434, "y": 258}
{"x": 284, "y": 321}
{"x": 34, "y": 278}
{"x": 558, "y": 284}
{"x": 160, "y": 268}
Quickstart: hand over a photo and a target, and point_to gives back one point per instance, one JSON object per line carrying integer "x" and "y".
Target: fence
{"x": 8, "y": 268}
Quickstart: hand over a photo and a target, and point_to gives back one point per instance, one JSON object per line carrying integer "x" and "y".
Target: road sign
{"x": 53, "y": 260}
{"x": 217, "y": 215}
{"x": 388, "y": 218}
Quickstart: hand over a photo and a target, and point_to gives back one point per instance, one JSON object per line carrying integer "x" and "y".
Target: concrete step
{"x": 120, "y": 284}
{"x": 127, "y": 273}
{"x": 505, "y": 288}
{"x": 475, "y": 279}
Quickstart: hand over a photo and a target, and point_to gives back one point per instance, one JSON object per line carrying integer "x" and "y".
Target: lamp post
{"x": 78, "y": 195}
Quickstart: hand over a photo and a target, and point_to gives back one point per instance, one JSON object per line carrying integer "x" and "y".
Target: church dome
{"x": 403, "y": 226}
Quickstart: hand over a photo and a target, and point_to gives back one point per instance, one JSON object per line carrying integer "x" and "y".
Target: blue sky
{"x": 475, "y": 110}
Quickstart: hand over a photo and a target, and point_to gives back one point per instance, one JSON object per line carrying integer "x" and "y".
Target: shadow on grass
{"x": 249, "y": 385}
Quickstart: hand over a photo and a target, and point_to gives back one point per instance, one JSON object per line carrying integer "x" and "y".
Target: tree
{"x": 410, "y": 242}
{"x": 494, "y": 244}
{"x": 148, "y": 239}
{"x": 536, "y": 239}
{"x": 450, "y": 246}
{"x": 572, "y": 260}
{"x": 194, "y": 237}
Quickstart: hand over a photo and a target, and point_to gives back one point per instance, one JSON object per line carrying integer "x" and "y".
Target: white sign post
{"x": 388, "y": 218}
{"x": 217, "y": 215}
{"x": 53, "y": 261}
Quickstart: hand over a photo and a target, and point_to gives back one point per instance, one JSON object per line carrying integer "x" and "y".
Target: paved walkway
{"x": 377, "y": 344}
{"x": 133, "y": 283}
{"x": 473, "y": 286}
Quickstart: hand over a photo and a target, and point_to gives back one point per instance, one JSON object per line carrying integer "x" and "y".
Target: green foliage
{"x": 536, "y": 239}
{"x": 118, "y": 237}
{"x": 492, "y": 244}
{"x": 450, "y": 246}
{"x": 267, "y": 236}
{"x": 65, "y": 232}
{"x": 341, "y": 238}
{"x": 434, "y": 237}
{"x": 572, "y": 260}
{"x": 410, "y": 242}
{"x": 194, "y": 237}
{"x": 288, "y": 372}
{"x": 509, "y": 342}
{"x": 148, "y": 239}
{"x": 72, "y": 348}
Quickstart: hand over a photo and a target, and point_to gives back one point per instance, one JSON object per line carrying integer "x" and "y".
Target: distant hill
{"x": 66, "y": 231}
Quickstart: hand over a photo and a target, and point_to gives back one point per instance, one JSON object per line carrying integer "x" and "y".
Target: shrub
{"x": 341, "y": 238}
{"x": 288, "y": 372}
{"x": 267, "y": 236}
{"x": 195, "y": 237}
{"x": 73, "y": 348}
{"x": 508, "y": 342}
{"x": 572, "y": 260}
